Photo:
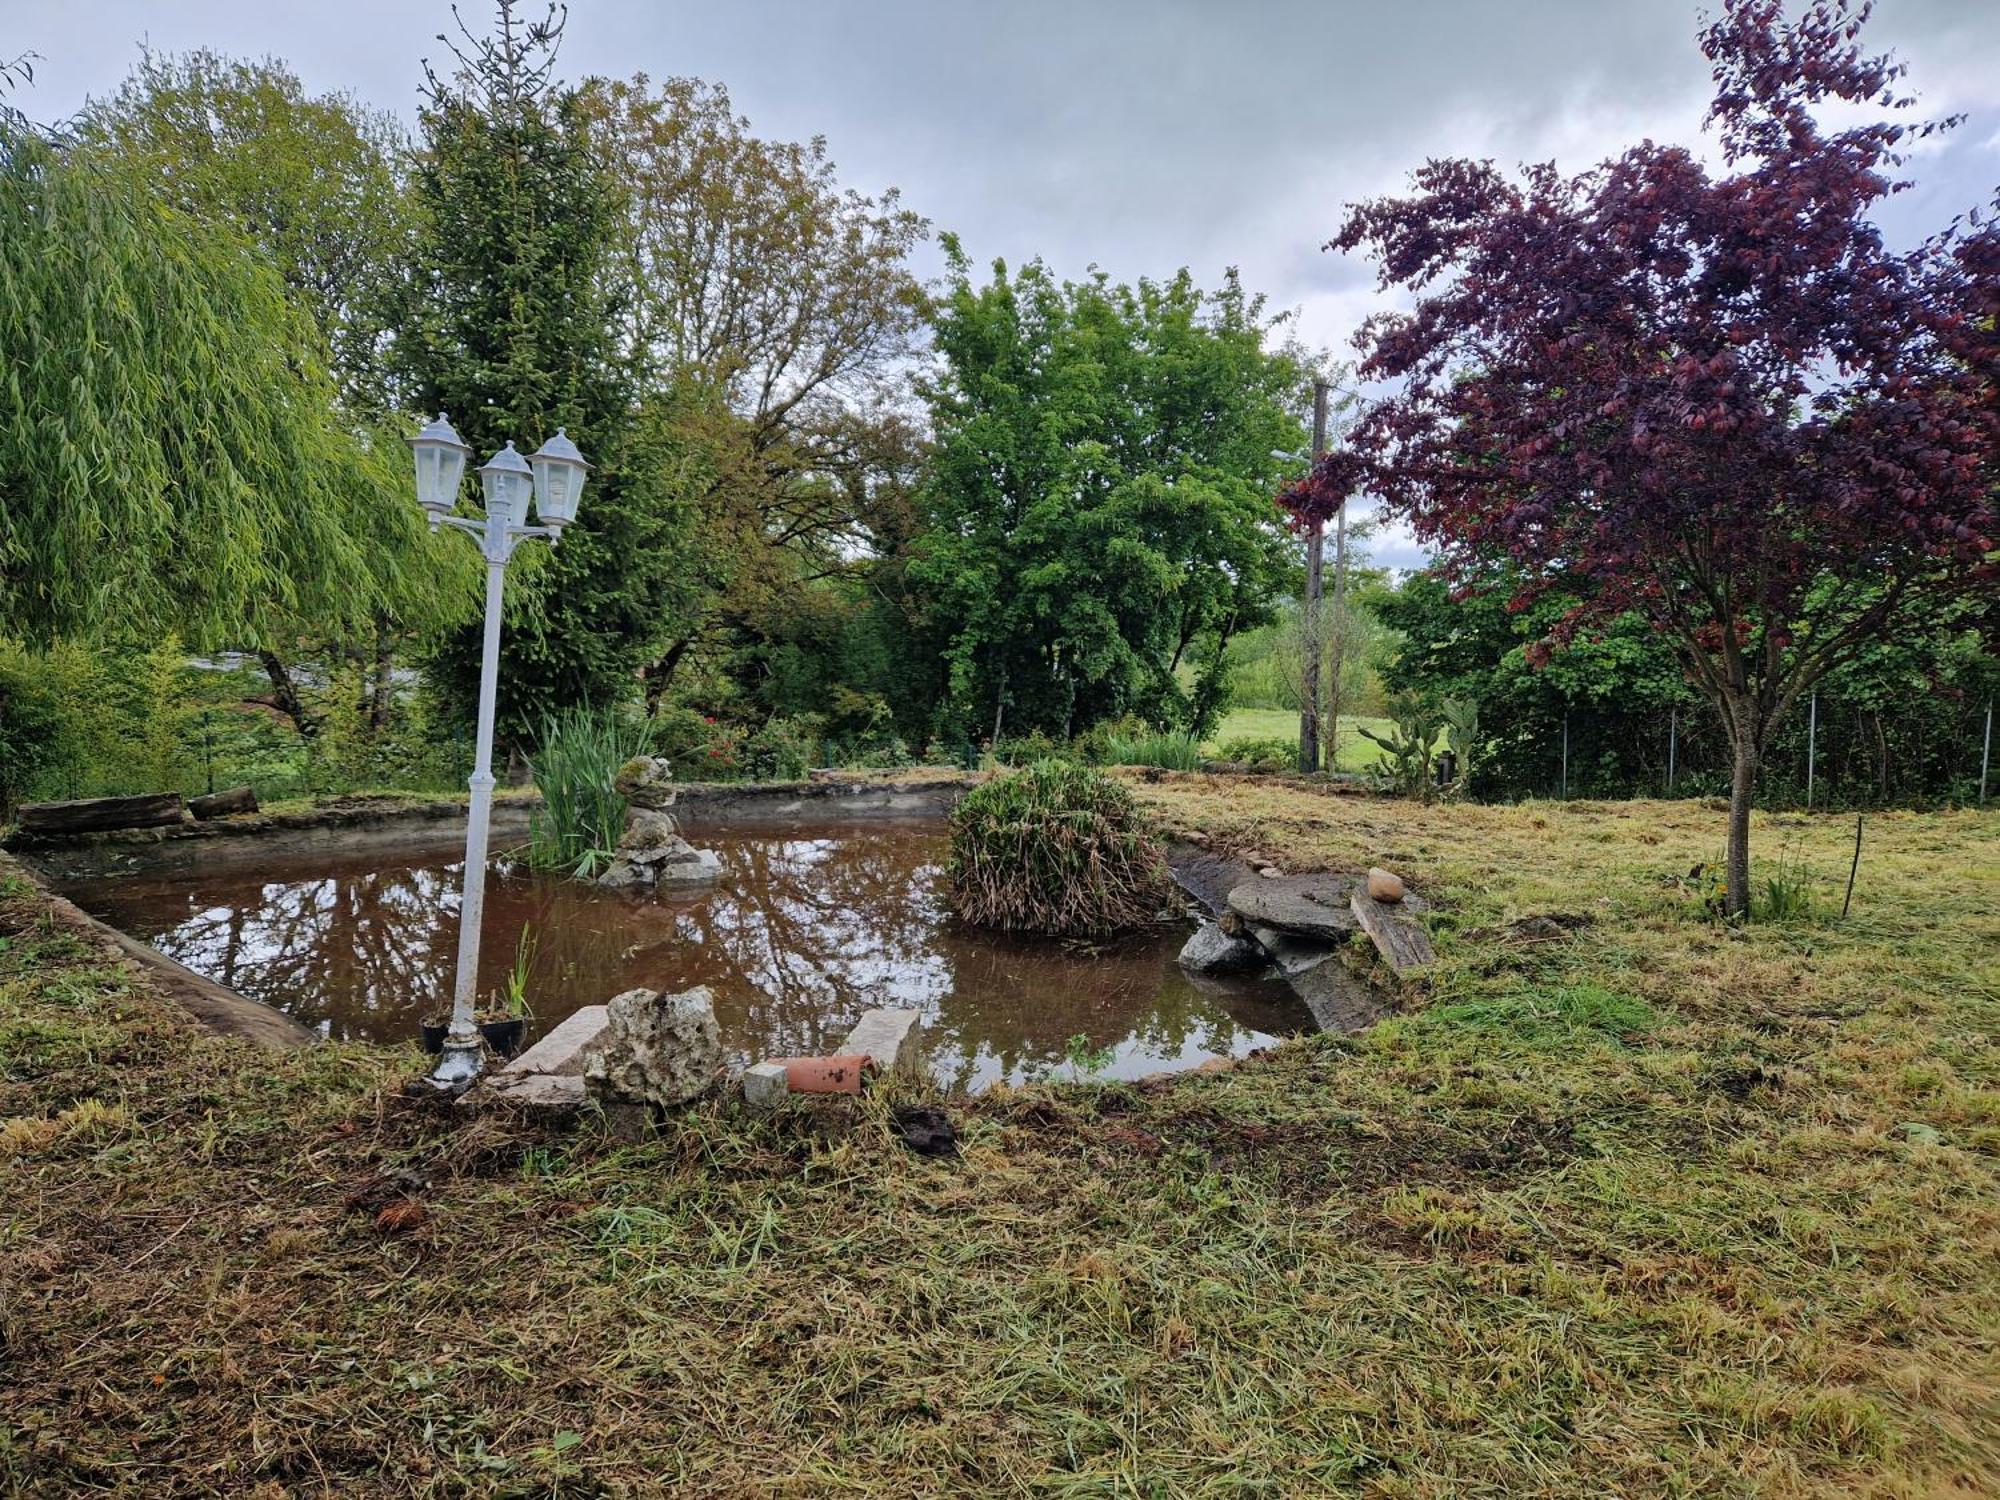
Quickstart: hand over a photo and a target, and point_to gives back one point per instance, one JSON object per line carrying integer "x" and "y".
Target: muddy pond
{"x": 811, "y": 924}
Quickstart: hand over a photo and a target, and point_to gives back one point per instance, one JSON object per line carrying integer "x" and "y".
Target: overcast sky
{"x": 1137, "y": 135}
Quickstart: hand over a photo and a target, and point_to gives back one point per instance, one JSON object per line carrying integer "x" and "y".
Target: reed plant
{"x": 582, "y": 814}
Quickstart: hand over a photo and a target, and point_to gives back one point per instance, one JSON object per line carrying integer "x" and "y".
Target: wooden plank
{"x": 1402, "y": 944}
{"x": 92, "y": 814}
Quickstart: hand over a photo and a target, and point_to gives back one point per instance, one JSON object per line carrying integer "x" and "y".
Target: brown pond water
{"x": 811, "y": 924}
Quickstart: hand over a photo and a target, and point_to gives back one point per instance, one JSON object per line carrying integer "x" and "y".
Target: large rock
{"x": 1309, "y": 906}
{"x": 655, "y": 1048}
{"x": 645, "y": 781}
{"x": 1213, "y": 951}
{"x": 653, "y": 856}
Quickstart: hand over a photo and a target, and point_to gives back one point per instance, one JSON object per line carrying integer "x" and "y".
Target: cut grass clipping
{"x": 1055, "y": 848}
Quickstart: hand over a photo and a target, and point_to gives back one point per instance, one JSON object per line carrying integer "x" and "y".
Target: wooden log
{"x": 94, "y": 813}
{"x": 1402, "y": 944}
{"x": 236, "y": 799}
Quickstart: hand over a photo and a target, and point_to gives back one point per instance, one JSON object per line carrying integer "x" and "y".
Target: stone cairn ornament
{"x": 651, "y": 854}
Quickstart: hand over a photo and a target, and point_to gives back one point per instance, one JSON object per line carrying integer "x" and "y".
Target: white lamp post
{"x": 554, "y": 477}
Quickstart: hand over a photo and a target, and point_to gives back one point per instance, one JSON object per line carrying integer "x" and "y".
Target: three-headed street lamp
{"x": 554, "y": 478}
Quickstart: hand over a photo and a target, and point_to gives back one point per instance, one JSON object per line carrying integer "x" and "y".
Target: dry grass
{"x": 1634, "y": 1205}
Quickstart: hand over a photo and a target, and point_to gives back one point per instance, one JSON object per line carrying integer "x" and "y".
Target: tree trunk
{"x": 382, "y": 689}
{"x": 285, "y": 695}
{"x": 1742, "y": 788}
{"x": 657, "y": 676}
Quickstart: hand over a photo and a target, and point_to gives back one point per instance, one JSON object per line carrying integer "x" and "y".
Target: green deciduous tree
{"x": 778, "y": 309}
{"x": 1099, "y": 522}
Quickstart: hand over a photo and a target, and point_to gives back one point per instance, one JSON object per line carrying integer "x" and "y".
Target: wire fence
{"x": 1831, "y": 755}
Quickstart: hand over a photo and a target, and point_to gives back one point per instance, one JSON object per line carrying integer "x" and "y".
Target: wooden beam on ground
{"x": 1404, "y": 946}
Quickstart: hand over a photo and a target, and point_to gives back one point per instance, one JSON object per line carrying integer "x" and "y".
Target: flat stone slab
{"x": 1213, "y": 951}
{"x": 566, "y": 1048}
{"x": 1404, "y": 946}
{"x": 889, "y": 1037}
{"x": 1310, "y": 906}
{"x": 1339, "y": 1000}
{"x": 1294, "y": 955}
{"x": 535, "y": 1093}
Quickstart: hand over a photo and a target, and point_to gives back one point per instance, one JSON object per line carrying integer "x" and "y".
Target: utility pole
{"x": 1812, "y": 747}
{"x": 1986, "y": 753}
{"x": 1314, "y": 627}
{"x": 1339, "y": 635}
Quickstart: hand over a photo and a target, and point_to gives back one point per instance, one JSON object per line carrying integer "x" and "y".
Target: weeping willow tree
{"x": 172, "y": 453}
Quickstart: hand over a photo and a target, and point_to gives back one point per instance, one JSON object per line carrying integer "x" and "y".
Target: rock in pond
{"x": 655, "y": 1048}
{"x": 1213, "y": 951}
{"x": 1311, "y": 906}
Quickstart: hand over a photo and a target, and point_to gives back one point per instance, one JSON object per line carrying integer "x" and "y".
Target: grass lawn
{"x": 1356, "y": 754}
{"x": 1631, "y": 1203}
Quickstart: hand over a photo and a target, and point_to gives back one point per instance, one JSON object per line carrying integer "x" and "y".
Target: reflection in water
{"x": 810, "y": 926}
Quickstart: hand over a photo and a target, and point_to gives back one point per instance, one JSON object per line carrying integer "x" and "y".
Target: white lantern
{"x": 509, "y": 483}
{"x": 559, "y": 473}
{"x": 440, "y": 457}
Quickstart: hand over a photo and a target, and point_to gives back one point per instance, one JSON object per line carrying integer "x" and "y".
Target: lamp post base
{"x": 458, "y": 1066}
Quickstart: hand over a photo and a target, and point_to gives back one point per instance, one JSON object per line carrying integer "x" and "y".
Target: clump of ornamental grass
{"x": 1055, "y": 848}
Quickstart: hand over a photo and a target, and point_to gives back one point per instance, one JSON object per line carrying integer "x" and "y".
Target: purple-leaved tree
{"x": 1716, "y": 398}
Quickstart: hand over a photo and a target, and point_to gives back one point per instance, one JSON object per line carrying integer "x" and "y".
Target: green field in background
{"x": 1356, "y": 753}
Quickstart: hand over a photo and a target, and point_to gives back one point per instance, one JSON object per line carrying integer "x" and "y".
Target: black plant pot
{"x": 504, "y": 1037}
{"x": 433, "y": 1034}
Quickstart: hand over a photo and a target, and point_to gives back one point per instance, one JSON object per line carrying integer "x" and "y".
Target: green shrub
{"x": 1092, "y": 745}
{"x": 1026, "y": 749}
{"x": 1259, "y": 754}
{"x": 1055, "y": 848}
{"x": 782, "y": 750}
{"x": 1172, "y": 752}
{"x": 582, "y": 815}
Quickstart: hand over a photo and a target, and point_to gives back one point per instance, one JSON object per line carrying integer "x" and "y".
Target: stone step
{"x": 1309, "y": 906}
{"x": 565, "y": 1049}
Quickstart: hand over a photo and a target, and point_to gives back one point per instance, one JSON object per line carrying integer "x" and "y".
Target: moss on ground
{"x": 1633, "y": 1204}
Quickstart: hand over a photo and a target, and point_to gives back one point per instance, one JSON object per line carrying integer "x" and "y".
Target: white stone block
{"x": 764, "y": 1085}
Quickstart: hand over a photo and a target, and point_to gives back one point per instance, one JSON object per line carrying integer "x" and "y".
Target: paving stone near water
{"x": 566, "y": 1048}
{"x": 1340, "y": 1001}
{"x": 1309, "y": 906}
{"x": 890, "y": 1037}
{"x": 1292, "y": 954}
